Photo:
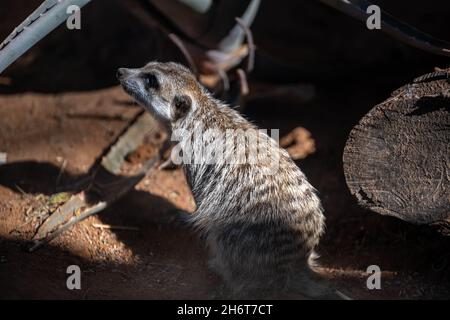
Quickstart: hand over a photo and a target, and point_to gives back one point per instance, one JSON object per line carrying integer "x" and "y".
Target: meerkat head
{"x": 167, "y": 90}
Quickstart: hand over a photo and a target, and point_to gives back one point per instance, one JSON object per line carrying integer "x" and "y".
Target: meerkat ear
{"x": 181, "y": 105}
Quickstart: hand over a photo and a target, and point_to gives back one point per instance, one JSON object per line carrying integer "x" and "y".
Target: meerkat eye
{"x": 150, "y": 81}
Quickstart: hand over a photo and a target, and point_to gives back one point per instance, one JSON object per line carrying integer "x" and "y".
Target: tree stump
{"x": 396, "y": 159}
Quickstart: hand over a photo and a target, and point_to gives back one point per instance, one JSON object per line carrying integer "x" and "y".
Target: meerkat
{"x": 261, "y": 227}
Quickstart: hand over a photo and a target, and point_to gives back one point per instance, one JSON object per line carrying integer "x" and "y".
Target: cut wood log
{"x": 396, "y": 159}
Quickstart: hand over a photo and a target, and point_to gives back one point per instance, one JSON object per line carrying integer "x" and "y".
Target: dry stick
{"x": 107, "y": 184}
{"x": 404, "y": 114}
{"x": 179, "y": 43}
{"x": 250, "y": 43}
{"x": 243, "y": 82}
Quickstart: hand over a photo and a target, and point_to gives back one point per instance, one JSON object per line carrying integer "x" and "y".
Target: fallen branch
{"x": 298, "y": 143}
{"x": 49, "y": 15}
